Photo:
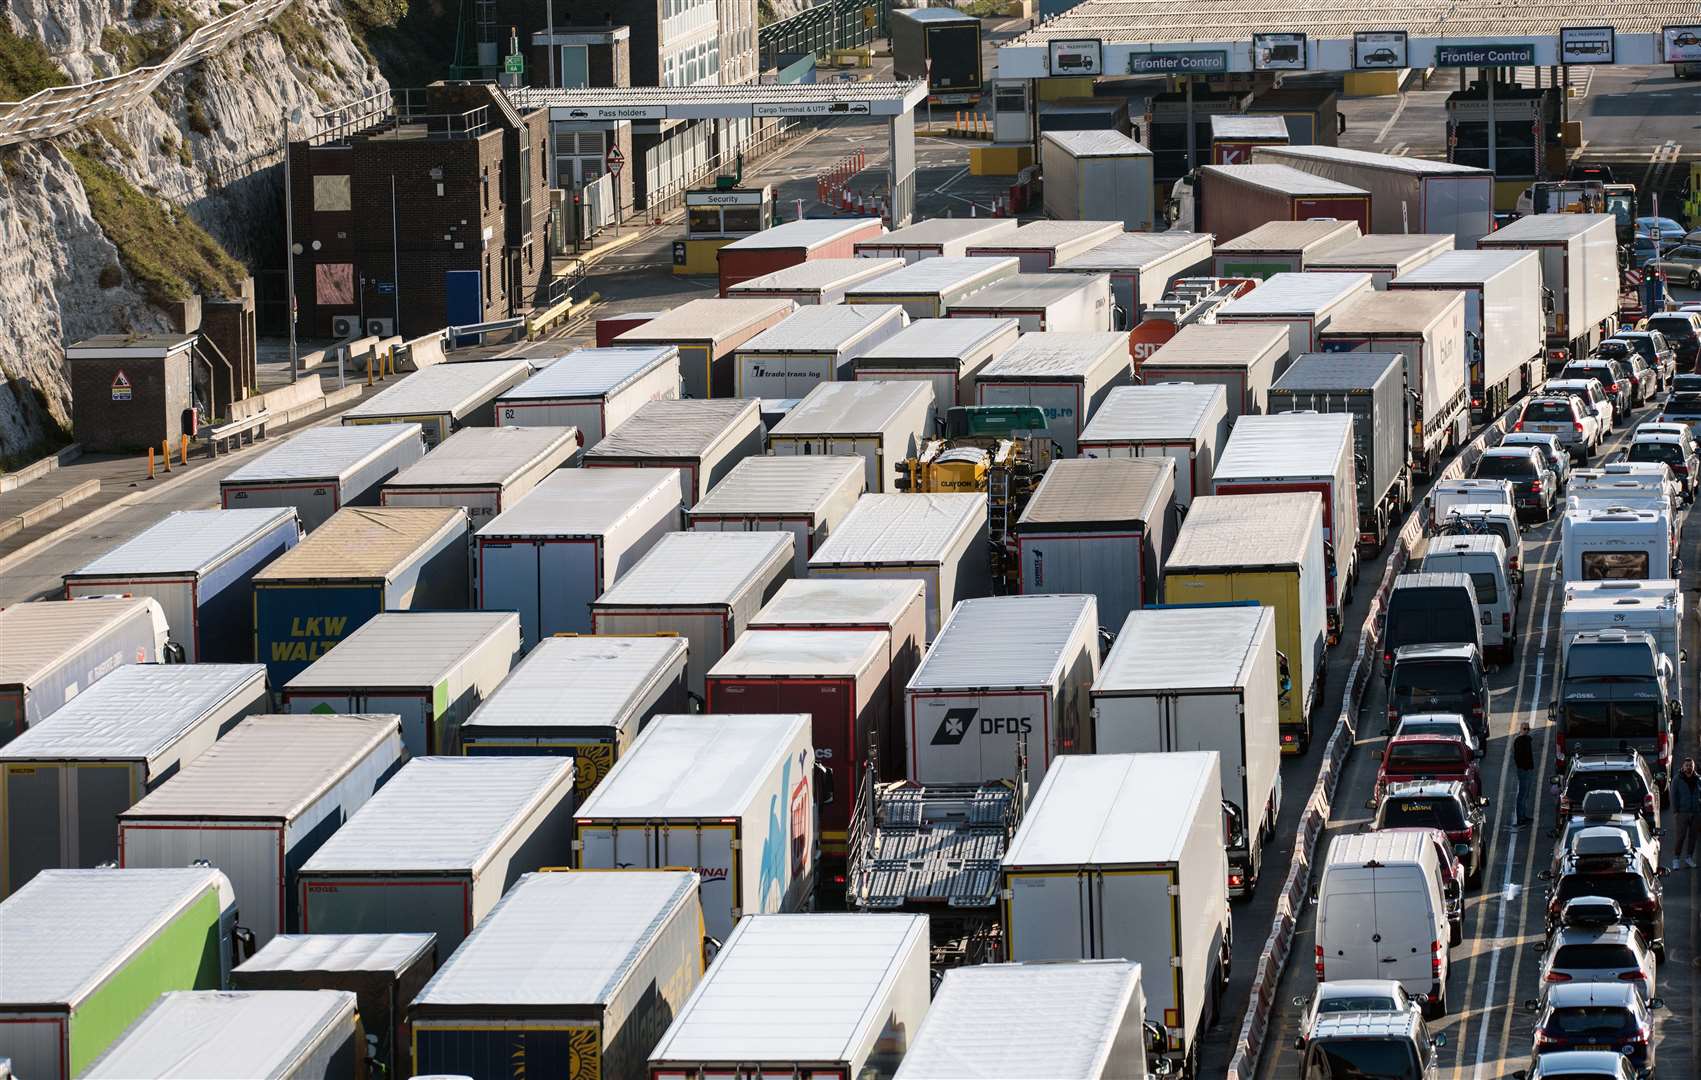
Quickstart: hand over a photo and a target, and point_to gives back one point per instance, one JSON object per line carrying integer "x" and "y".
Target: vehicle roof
{"x": 359, "y": 542}
{"x": 1432, "y": 580}
{"x": 1115, "y": 809}
{"x": 1288, "y": 235}
{"x": 1056, "y": 354}
{"x": 604, "y": 677}
{"x": 802, "y": 233}
{"x": 35, "y": 637}
{"x": 1603, "y": 934}
{"x": 839, "y": 601}
{"x": 186, "y": 541}
{"x": 1606, "y": 1062}
{"x": 1298, "y": 294}
{"x": 583, "y": 502}
{"x": 408, "y": 649}
{"x": 189, "y": 1034}
{"x": 592, "y": 372}
{"x": 1349, "y": 987}
{"x": 1391, "y": 312}
{"x": 783, "y": 484}
{"x": 1427, "y": 738}
{"x": 1424, "y": 789}
{"x": 800, "y": 654}
{"x": 686, "y": 568}
{"x": 824, "y": 326}
{"x": 339, "y": 952}
{"x": 696, "y": 766}
{"x": 902, "y": 527}
{"x": 929, "y": 276}
{"x": 1204, "y": 648}
{"x": 1100, "y": 494}
{"x": 1132, "y": 250}
{"x": 675, "y": 428}
{"x": 1530, "y": 438}
{"x": 938, "y": 339}
{"x": 452, "y": 388}
{"x": 1292, "y": 444}
{"x": 1580, "y": 994}
{"x": 487, "y": 455}
{"x": 710, "y": 318}
{"x": 1547, "y": 227}
{"x": 1017, "y": 641}
{"x": 1218, "y": 345}
{"x": 136, "y": 712}
{"x": 1247, "y": 530}
{"x": 328, "y": 452}
{"x": 1341, "y": 371}
{"x": 1606, "y": 761}
{"x": 1157, "y": 411}
{"x": 853, "y": 408}
{"x": 1363, "y": 1025}
{"x": 1101, "y": 142}
{"x": 1464, "y": 267}
{"x": 1507, "y": 451}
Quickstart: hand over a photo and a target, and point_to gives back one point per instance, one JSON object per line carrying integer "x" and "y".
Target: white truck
{"x": 1579, "y": 257}
{"x": 813, "y": 345}
{"x": 1408, "y": 194}
{"x": 1601, "y": 543}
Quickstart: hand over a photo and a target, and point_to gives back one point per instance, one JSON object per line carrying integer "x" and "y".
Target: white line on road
{"x": 1399, "y": 108}
{"x": 945, "y": 188}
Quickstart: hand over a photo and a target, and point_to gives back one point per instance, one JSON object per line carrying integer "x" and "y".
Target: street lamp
{"x": 292, "y": 117}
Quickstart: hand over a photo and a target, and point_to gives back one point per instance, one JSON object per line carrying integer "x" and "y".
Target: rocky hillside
{"x": 100, "y": 228}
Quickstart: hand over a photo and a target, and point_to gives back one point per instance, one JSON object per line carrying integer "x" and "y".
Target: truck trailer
{"x": 701, "y": 440}
{"x": 1242, "y": 358}
{"x": 1076, "y": 303}
{"x": 948, "y": 353}
{"x": 1067, "y": 374}
{"x": 593, "y": 390}
{"x": 483, "y": 470}
{"x": 805, "y": 496}
{"x": 927, "y": 289}
{"x": 323, "y": 469}
{"x": 1305, "y": 303}
{"x": 1235, "y": 199}
{"x": 935, "y": 237}
{"x": 1097, "y": 176}
{"x": 707, "y": 332}
{"x": 817, "y": 282}
{"x": 1579, "y": 257}
{"x": 883, "y": 423}
{"x": 1408, "y": 194}
{"x": 1281, "y": 247}
{"x": 443, "y": 398}
{"x": 1142, "y": 266}
{"x": 54, "y": 650}
{"x": 812, "y": 346}
{"x": 1384, "y": 256}
{"x": 286, "y": 1034}
{"x": 789, "y": 244}
{"x": 942, "y": 47}
{"x": 1185, "y": 421}
{"x": 1040, "y": 245}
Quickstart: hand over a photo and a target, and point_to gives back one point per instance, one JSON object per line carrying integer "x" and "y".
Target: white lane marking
{"x": 1399, "y": 108}
{"x": 952, "y": 179}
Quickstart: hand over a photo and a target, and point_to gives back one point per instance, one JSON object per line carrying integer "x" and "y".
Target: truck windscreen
{"x": 1608, "y": 662}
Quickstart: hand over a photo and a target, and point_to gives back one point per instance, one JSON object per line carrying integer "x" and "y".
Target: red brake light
{"x": 1319, "y": 962}
{"x": 1505, "y": 626}
{"x": 1236, "y": 880}
{"x": 1519, "y": 426}
{"x": 1577, "y": 426}
{"x": 1435, "y": 948}
{"x": 1536, "y": 486}
{"x": 1560, "y": 976}
{"x": 1613, "y": 389}
{"x": 1627, "y": 976}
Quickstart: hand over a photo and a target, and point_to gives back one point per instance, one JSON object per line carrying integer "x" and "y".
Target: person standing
{"x": 1684, "y": 794}
{"x": 1524, "y": 762}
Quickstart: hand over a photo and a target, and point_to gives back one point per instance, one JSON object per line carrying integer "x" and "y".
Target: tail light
{"x": 1536, "y": 486}
{"x": 1645, "y": 907}
{"x": 1542, "y": 1038}
{"x": 1236, "y": 880}
{"x": 1505, "y": 627}
{"x": 1288, "y": 738}
{"x": 1629, "y": 976}
{"x": 1519, "y": 426}
{"x": 1393, "y": 715}
{"x": 1648, "y": 803}
{"x": 1435, "y": 957}
{"x": 1577, "y": 426}
{"x": 1560, "y": 976}
{"x": 1662, "y": 747}
{"x": 1319, "y": 962}
{"x": 1564, "y": 807}
{"x": 1476, "y": 403}
{"x": 1513, "y": 562}
{"x": 1559, "y": 750}
{"x": 1613, "y": 389}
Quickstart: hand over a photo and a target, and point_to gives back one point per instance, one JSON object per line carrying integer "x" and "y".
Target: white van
{"x": 1609, "y": 543}
{"x": 1483, "y": 557}
{"x": 1447, "y": 495}
{"x": 1490, "y": 519}
{"x": 1380, "y": 914}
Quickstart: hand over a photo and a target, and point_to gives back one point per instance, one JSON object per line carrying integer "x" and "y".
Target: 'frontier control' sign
{"x": 1187, "y": 62}
{"x": 1491, "y": 55}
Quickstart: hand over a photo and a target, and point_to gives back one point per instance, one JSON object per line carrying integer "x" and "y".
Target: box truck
{"x": 1242, "y": 358}
{"x": 137, "y": 934}
{"x": 814, "y": 283}
{"x": 791, "y": 243}
{"x": 1187, "y": 422}
{"x": 1305, "y": 303}
{"x": 1384, "y": 256}
{"x": 363, "y": 561}
{"x": 1233, "y": 137}
{"x": 933, "y": 238}
{"x": 484, "y": 471}
{"x": 64, "y": 782}
{"x": 1078, "y": 303}
{"x": 805, "y": 496}
{"x": 927, "y": 289}
{"x": 1205, "y": 678}
{"x": 593, "y": 390}
{"x": 1004, "y": 670}
{"x": 883, "y": 423}
{"x": 289, "y": 1034}
{"x": 574, "y": 974}
{"x": 1263, "y": 549}
{"x": 323, "y": 469}
{"x": 942, "y": 47}
{"x": 1235, "y": 199}
{"x": 948, "y": 353}
{"x": 1141, "y": 267}
{"x": 1097, "y": 176}
{"x": 1408, "y": 194}
{"x": 1067, "y": 374}
{"x": 443, "y": 398}
{"x": 1579, "y": 267}
{"x": 54, "y": 650}
{"x": 435, "y": 848}
{"x": 731, "y": 797}
{"x": 701, "y": 440}
{"x": 1040, "y": 245}
{"x": 1281, "y": 247}
{"x": 707, "y": 332}
{"x": 1120, "y": 856}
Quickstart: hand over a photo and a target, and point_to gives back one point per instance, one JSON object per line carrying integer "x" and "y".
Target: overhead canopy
{"x": 743, "y": 101}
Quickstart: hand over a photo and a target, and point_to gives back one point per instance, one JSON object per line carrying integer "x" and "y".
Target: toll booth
{"x": 714, "y": 218}
{"x": 1514, "y": 144}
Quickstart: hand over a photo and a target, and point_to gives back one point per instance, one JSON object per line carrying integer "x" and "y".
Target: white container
{"x": 938, "y": 539}
{"x": 1097, "y": 175}
{"x": 1142, "y": 266}
{"x": 1383, "y": 256}
{"x": 1408, "y": 194}
{"x": 829, "y": 995}
{"x": 260, "y": 801}
{"x": 934, "y": 237}
{"x": 288, "y": 1034}
{"x": 52, "y": 651}
{"x": 729, "y": 796}
{"x": 71, "y": 776}
{"x": 434, "y": 849}
{"x": 1101, "y": 526}
{"x": 1042, "y": 244}
{"x": 701, "y": 586}
{"x": 1120, "y": 856}
{"x": 1067, "y": 374}
{"x": 1503, "y": 318}
{"x": 948, "y": 353}
{"x": 1202, "y": 679}
{"x": 1002, "y": 668}
{"x": 199, "y": 566}
{"x": 927, "y": 289}
{"x": 701, "y": 439}
{"x": 883, "y": 423}
{"x": 443, "y": 398}
{"x": 559, "y": 548}
{"x": 893, "y": 607}
{"x": 706, "y": 332}
{"x": 812, "y": 346}
{"x": 323, "y": 469}
{"x": 594, "y": 390}
{"x": 816, "y": 282}
{"x": 1184, "y": 421}
{"x": 1599, "y": 542}
{"x": 483, "y": 470}
{"x": 1304, "y": 302}
{"x": 1579, "y": 268}
{"x": 1281, "y": 247}
{"x": 1358, "y": 930}
{"x": 1242, "y": 358}
{"x": 1073, "y": 303}
{"x": 1655, "y": 606}
{"x": 430, "y": 668}
{"x": 805, "y": 496}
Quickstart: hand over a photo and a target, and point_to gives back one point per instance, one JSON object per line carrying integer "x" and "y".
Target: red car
{"x": 1429, "y": 757}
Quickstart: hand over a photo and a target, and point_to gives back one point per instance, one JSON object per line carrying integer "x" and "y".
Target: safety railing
{"x": 836, "y": 24}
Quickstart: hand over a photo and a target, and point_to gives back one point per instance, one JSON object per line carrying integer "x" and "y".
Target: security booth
{"x": 130, "y": 391}
{"x": 714, "y": 218}
{"x": 1506, "y": 129}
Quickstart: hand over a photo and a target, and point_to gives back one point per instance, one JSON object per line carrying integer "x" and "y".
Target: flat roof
{"x": 360, "y": 542}
{"x": 700, "y": 765}
{"x": 1219, "y": 344}
{"x": 1056, "y": 354}
{"x": 1097, "y": 142}
{"x": 721, "y": 102}
{"x": 323, "y": 453}
{"x": 1007, "y": 641}
{"x": 1114, "y": 809}
{"x": 1223, "y": 531}
{"x": 817, "y": 327}
{"x": 1047, "y": 233}
{"x": 942, "y": 231}
{"x": 405, "y": 649}
{"x": 1137, "y": 251}
{"x": 1388, "y": 162}
{"x": 135, "y": 712}
{"x": 1546, "y": 228}
{"x": 1203, "y": 648}
{"x": 1288, "y": 294}
{"x": 818, "y": 274}
{"x": 1381, "y": 249}
{"x": 1466, "y": 267}
{"x": 783, "y": 484}
{"x": 1284, "y": 178}
{"x": 938, "y": 339}
{"x": 486, "y": 455}
{"x": 339, "y": 952}
{"x": 1018, "y": 292}
{"x": 38, "y": 635}
{"x": 852, "y": 408}
{"x": 186, "y": 541}
{"x": 590, "y": 373}
{"x": 1157, "y": 411}
{"x": 1286, "y": 235}
{"x": 583, "y": 502}
{"x": 708, "y": 318}
{"x": 685, "y": 569}
{"x": 1098, "y": 494}
{"x": 451, "y": 388}
{"x": 802, "y": 233}
{"x": 604, "y": 677}
{"x": 943, "y": 272}
{"x": 678, "y": 427}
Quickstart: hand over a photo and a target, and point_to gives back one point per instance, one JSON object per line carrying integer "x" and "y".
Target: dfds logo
{"x": 957, "y": 723}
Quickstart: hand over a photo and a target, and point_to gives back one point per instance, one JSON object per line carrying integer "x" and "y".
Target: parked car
{"x": 1373, "y": 1045}
{"x": 1443, "y": 806}
{"x": 1438, "y": 723}
{"x": 1534, "y": 485}
{"x": 1429, "y": 757}
{"x": 1681, "y": 263}
{"x": 1668, "y": 230}
{"x": 1623, "y": 771}
{"x": 1676, "y": 451}
{"x": 1614, "y": 380}
{"x": 1428, "y": 609}
{"x": 1553, "y": 452}
{"x": 1595, "y": 943}
{"x": 1605, "y": 810}
{"x": 1578, "y": 1064}
{"x": 1567, "y": 418}
{"x": 1597, "y": 1016}
{"x": 1625, "y": 353}
{"x": 1681, "y": 330}
{"x": 1628, "y": 880}
{"x": 1683, "y": 407}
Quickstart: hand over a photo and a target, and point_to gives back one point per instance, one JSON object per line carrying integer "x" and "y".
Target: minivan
{"x": 1430, "y": 609}
{"x": 1379, "y": 897}
{"x": 1484, "y": 559}
{"x": 1492, "y": 519}
{"x": 1440, "y": 679}
{"x": 1397, "y": 1046}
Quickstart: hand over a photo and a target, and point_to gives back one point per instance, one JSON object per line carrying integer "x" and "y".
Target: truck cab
{"x": 1618, "y": 689}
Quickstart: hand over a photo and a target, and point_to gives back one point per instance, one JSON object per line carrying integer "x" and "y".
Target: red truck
{"x": 1235, "y": 199}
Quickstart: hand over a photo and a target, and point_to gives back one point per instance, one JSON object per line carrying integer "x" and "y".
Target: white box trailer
{"x": 927, "y": 289}
{"x": 1097, "y": 175}
{"x": 323, "y": 469}
{"x": 1187, "y": 422}
{"x": 52, "y": 651}
{"x": 1067, "y": 374}
{"x": 1600, "y": 542}
{"x": 816, "y": 282}
{"x": 1142, "y": 267}
{"x": 430, "y": 668}
{"x": 701, "y": 586}
{"x": 939, "y": 540}
{"x": 1408, "y": 194}
{"x": 1120, "y": 856}
{"x": 483, "y": 470}
{"x": 436, "y": 847}
{"x": 1579, "y": 255}
{"x": 1204, "y": 678}
{"x": 1242, "y": 358}
{"x": 1384, "y": 256}
{"x": 580, "y": 969}
{"x": 1040, "y": 245}
{"x": 706, "y": 332}
{"x": 1066, "y": 1021}
{"x": 1077, "y": 303}
{"x": 260, "y": 801}
{"x": 730, "y": 796}
{"x": 935, "y": 237}
{"x": 1280, "y": 247}
{"x": 703, "y": 440}
{"x": 805, "y": 496}
{"x": 443, "y": 398}
{"x": 883, "y": 423}
{"x": 555, "y": 551}
{"x": 1102, "y": 526}
{"x": 828, "y": 995}
{"x": 812, "y": 346}
{"x": 288, "y": 1034}
{"x": 1004, "y": 667}
{"x": 199, "y": 566}
{"x": 1655, "y": 606}
{"x": 1306, "y": 303}
{"x": 64, "y": 782}
{"x": 948, "y": 353}
{"x": 593, "y": 390}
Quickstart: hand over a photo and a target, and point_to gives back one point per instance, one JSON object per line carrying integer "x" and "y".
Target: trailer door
{"x": 709, "y": 850}
{"x": 1047, "y": 916}
{"x": 1136, "y": 917}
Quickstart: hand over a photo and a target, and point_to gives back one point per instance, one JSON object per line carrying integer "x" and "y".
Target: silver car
{"x": 1595, "y": 944}
{"x": 1351, "y": 996}
{"x": 1566, "y": 419}
{"x": 1681, "y": 264}
{"x": 1550, "y": 446}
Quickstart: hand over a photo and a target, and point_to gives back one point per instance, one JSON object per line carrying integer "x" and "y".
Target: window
{"x": 488, "y": 300}
{"x": 1615, "y": 565}
{"x": 484, "y": 186}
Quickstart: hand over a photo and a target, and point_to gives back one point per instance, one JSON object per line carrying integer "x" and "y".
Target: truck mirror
{"x": 1300, "y": 1000}
{"x": 1440, "y": 1039}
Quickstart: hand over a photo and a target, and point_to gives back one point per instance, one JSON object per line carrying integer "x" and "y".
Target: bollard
{"x": 371, "y": 363}
{"x": 165, "y": 452}
{"x": 150, "y": 463}
{"x": 183, "y": 451}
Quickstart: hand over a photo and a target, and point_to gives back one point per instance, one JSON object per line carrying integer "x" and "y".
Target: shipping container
{"x": 483, "y": 471}
{"x": 794, "y": 242}
{"x": 948, "y": 353}
{"x": 558, "y": 549}
{"x": 927, "y": 289}
{"x": 442, "y": 399}
{"x": 1097, "y": 176}
{"x": 1579, "y": 257}
{"x": 940, "y": 46}
{"x": 939, "y": 540}
{"x": 1040, "y": 245}
{"x": 1101, "y": 526}
{"x": 1076, "y": 303}
{"x": 1408, "y": 194}
{"x": 812, "y": 346}
{"x": 64, "y": 782}
{"x": 1235, "y": 199}
{"x": 883, "y": 423}
{"x": 1280, "y": 247}
{"x": 580, "y": 697}
{"x": 1142, "y": 266}
{"x": 610, "y": 327}
{"x": 702, "y": 440}
{"x": 1263, "y": 549}
{"x": 731, "y": 797}
{"x": 701, "y": 586}
{"x": 1067, "y": 374}
{"x": 817, "y": 282}
{"x": 707, "y": 332}
{"x": 1233, "y": 137}
{"x": 805, "y": 496}
{"x": 323, "y": 469}
{"x": 1206, "y": 678}
{"x": 1004, "y": 672}
{"x": 827, "y": 996}
{"x": 593, "y": 390}
{"x": 284, "y": 1034}
{"x": 1305, "y": 303}
{"x": 86, "y": 952}
{"x": 1242, "y": 358}
{"x": 1181, "y": 420}
{"x": 1121, "y": 856}
{"x": 437, "y": 846}
{"x": 934, "y": 238}
{"x": 363, "y": 561}
{"x": 383, "y": 971}
{"x": 1383, "y": 256}
{"x": 571, "y": 975}
{"x": 53, "y": 650}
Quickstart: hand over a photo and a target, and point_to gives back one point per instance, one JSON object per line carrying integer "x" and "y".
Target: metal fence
{"x": 835, "y": 24}
{"x": 596, "y": 206}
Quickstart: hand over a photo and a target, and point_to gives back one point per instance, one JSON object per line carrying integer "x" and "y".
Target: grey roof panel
{"x": 1340, "y": 371}
{"x": 323, "y": 453}
{"x": 1295, "y": 444}
{"x": 697, "y": 568}
{"x": 493, "y": 455}
{"x": 695, "y": 766}
{"x": 1056, "y": 354}
{"x": 405, "y": 649}
{"x": 1287, "y": 235}
{"x": 135, "y": 712}
{"x": 1466, "y": 267}
{"x": 36, "y": 636}
{"x": 839, "y": 601}
{"x": 943, "y": 231}
{"x": 1006, "y": 641}
{"x": 930, "y": 276}
{"x": 1283, "y": 178}
{"x": 824, "y": 327}
{"x": 1113, "y": 810}
{"x": 1020, "y": 291}
{"x": 340, "y": 952}
{"x": 902, "y": 528}
{"x": 706, "y": 319}
{"x": 1219, "y": 345}
{"x": 1099, "y": 143}
{"x": 1137, "y": 251}
{"x": 1246, "y": 530}
{"x": 218, "y": 1034}
{"x": 1101, "y": 493}
{"x": 925, "y": 342}
{"x": 186, "y": 542}
{"x": 452, "y": 388}
{"x": 1546, "y": 228}
{"x": 825, "y": 654}
{"x": 817, "y": 274}
{"x": 783, "y": 485}
{"x": 1296, "y": 294}
{"x": 1415, "y": 166}
{"x": 1206, "y": 648}
{"x": 803, "y": 233}
{"x": 1381, "y": 249}
{"x": 851, "y": 408}
{"x": 1158, "y": 412}
{"x": 582, "y": 502}
{"x": 592, "y": 373}
{"x": 579, "y": 682}
{"x": 678, "y": 428}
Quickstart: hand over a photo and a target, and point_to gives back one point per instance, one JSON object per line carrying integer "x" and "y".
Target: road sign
{"x": 514, "y": 64}
{"x": 384, "y": 288}
{"x": 121, "y": 387}
{"x": 616, "y": 160}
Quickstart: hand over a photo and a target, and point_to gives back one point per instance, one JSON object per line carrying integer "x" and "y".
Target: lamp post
{"x": 294, "y": 115}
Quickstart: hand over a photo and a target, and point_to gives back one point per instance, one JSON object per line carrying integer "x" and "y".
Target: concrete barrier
{"x": 17, "y": 523}
{"x": 39, "y": 468}
{"x": 420, "y": 352}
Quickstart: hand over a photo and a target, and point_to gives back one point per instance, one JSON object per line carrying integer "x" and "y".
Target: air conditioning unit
{"x": 380, "y": 327}
{"x": 345, "y": 326}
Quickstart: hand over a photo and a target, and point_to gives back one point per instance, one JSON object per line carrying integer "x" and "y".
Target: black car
{"x": 1678, "y": 328}
{"x": 1533, "y": 484}
{"x": 1439, "y": 679}
{"x": 1429, "y": 609}
{"x": 1623, "y": 771}
{"x": 1627, "y": 879}
{"x": 1654, "y": 348}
